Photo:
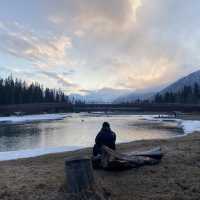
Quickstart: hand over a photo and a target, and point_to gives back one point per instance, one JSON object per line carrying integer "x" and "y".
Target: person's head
{"x": 106, "y": 126}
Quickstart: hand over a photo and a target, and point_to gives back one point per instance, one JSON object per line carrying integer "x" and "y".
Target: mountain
{"x": 144, "y": 94}
{"x": 133, "y": 97}
{"x": 104, "y": 95}
{"x": 110, "y": 95}
{"x": 188, "y": 80}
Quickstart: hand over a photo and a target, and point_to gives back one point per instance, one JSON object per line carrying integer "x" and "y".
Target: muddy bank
{"x": 176, "y": 177}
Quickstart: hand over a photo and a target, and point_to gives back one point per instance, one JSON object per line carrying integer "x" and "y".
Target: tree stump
{"x": 80, "y": 181}
{"x": 79, "y": 174}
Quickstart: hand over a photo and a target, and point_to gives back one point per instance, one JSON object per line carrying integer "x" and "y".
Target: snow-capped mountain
{"x": 104, "y": 95}
{"x": 110, "y": 95}
{"x": 143, "y": 94}
{"x": 133, "y": 97}
{"x": 189, "y": 80}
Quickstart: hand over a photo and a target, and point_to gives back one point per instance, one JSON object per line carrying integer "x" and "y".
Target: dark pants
{"x": 97, "y": 149}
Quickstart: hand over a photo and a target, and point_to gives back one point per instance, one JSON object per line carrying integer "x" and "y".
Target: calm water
{"x": 80, "y": 130}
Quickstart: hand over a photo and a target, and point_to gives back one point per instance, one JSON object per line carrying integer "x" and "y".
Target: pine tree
{"x": 18, "y": 92}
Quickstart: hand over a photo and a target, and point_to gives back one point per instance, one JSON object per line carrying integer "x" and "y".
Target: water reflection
{"x": 80, "y": 130}
{"x": 20, "y": 136}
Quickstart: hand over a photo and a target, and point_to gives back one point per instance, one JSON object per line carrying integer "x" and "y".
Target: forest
{"x": 188, "y": 95}
{"x": 16, "y": 91}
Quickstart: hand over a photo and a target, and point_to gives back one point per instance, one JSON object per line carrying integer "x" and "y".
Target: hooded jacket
{"x": 105, "y": 137}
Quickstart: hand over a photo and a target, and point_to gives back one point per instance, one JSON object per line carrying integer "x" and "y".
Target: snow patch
{"x": 13, "y": 155}
{"x": 159, "y": 118}
{"x": 190, "y": 126}
{"x": 32, "y": 118}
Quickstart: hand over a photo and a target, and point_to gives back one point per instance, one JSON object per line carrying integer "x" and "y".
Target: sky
{"x": 85, "y": 45}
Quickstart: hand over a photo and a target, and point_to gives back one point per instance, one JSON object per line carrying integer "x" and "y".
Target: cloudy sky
{"x": 81, "y": 45}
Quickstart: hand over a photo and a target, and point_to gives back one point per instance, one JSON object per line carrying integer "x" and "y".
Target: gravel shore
{"x": 177, "y": 177}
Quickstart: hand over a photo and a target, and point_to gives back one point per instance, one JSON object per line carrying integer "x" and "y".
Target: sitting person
{"x": 105, "y": 137}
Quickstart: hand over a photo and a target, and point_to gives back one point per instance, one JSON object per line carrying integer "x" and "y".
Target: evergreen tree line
{"x": 16, "y": 91}
{"x": 188, "y": 95}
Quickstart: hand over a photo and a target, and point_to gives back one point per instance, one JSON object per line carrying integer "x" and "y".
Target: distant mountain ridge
{"x": 104, "y": 95}
{"x": 133, "y": 97}
{"x": 110, "y": 95}
{"x": 142, "y": 94}
{"x": 188, "y": 80}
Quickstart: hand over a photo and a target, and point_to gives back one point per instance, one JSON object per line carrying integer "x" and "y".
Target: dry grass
{"x": 176, "y": 177}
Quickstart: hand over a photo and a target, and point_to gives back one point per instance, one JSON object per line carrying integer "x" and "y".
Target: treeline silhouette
{"x": 16, "y": 91}
{"x": 188, "y": 95}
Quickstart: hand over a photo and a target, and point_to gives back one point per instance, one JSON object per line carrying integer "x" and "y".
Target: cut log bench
{"x": 111, "y": 160}
{"x": 79, "y": 173}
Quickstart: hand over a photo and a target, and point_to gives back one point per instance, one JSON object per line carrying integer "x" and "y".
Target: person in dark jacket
{"x": 105, "y": 137}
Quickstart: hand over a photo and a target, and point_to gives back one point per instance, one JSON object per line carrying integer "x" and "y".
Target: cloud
{"x": 42, "y": 51}
{"x": 96, "y": 18}
{"x": 117, "y": 43}
{"x": 129, "y": 73}
{"x": 66, "y": 84}
{"x": 69, "y": 72}
{"x": 160, "y": 72}
{"x": 56, "y": 19}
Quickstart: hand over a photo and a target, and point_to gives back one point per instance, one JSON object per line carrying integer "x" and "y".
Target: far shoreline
{"x": 39, "y": 108}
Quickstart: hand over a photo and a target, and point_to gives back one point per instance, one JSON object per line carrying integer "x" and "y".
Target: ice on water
{"x": 31, "y": 118}
{"x": 188, "y": 126}
{"x": 13, "y": 155}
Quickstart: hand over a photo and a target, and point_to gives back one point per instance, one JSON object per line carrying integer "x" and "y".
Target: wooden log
{"x": 112, "y": 160}
{"x": 79, "y": 174}
{"x": 155, "y": 153}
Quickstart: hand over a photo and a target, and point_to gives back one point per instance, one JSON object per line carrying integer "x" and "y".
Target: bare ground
{"x": 177, "y": 177}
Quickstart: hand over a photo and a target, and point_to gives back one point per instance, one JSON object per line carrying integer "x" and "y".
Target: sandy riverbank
{"x": 176, "y": 177}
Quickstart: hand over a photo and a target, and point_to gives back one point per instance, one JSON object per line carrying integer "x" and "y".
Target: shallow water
{"x": 80, "y": 130}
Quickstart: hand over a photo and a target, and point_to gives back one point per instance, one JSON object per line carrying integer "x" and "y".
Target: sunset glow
{"x": 87, "y": 45}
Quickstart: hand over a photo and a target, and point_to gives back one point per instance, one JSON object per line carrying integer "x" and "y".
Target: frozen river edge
{"x": 31, "y": 118}
{"x": 188, "y": 126}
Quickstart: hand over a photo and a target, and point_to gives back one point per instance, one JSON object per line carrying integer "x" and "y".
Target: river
{"x": 80, "y": 130}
